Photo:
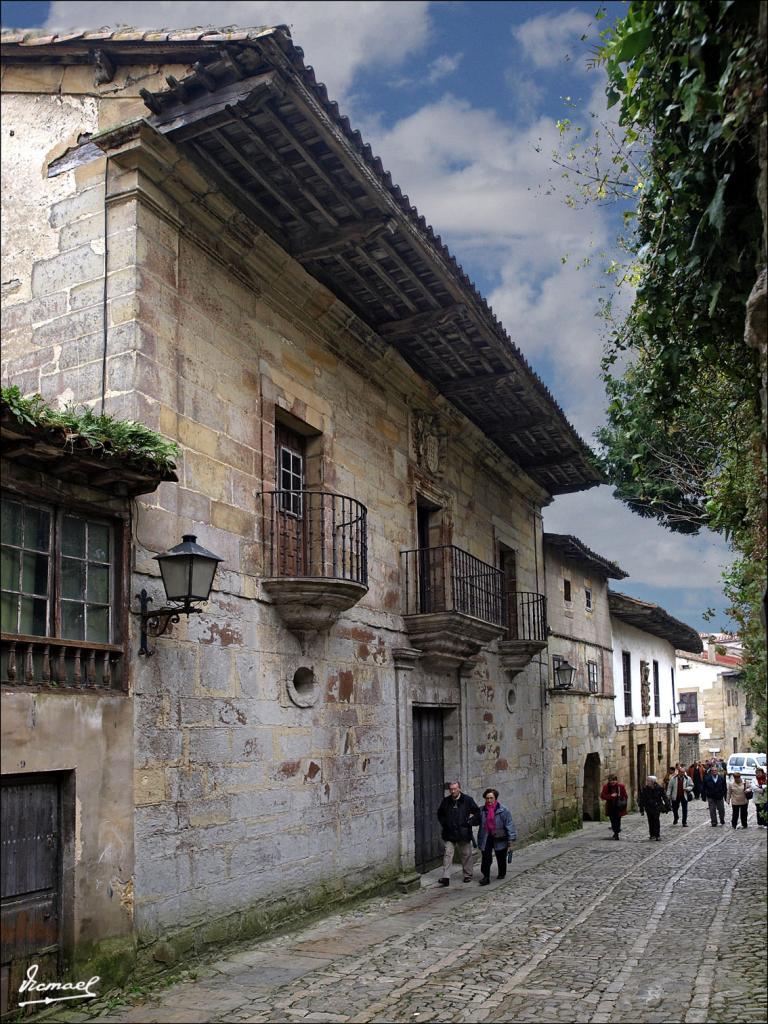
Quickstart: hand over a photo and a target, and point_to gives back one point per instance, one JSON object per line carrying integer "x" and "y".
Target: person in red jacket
{"x": 615, "y": 795}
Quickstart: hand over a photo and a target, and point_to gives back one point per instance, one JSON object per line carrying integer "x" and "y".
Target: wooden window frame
{"x": 593, "y": 677}
{"x": 656, "y": 688}
{"x": 626, "y": 671}
{"x": 96, "y": 664}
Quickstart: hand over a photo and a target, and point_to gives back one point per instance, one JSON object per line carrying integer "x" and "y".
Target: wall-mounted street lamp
{"x": 681, "y": 706}
{"x": 564, "y": 675}
{"x": 187, "y": 571}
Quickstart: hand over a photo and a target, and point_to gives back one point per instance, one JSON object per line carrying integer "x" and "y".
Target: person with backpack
{"x": 615, "y": 795}
{"x": 652, "y": 802}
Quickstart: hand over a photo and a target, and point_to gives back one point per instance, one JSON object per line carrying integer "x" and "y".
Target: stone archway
{"x": 591, "y": 792}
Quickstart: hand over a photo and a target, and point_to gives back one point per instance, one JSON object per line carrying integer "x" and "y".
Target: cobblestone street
{"x": 583, "y": 929}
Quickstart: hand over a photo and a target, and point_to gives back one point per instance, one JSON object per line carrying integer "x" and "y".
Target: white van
{"x": 747, "y": 764}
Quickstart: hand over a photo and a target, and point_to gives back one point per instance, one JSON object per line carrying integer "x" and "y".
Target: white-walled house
{"x": 644, "y": 640}
{"x": 716, "y": 718}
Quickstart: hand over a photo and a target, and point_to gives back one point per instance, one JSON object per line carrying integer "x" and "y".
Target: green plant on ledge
{"x": 82, "y": 427}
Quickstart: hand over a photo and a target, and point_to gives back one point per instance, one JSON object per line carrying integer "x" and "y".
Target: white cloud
{"x": 443, "y": 66}
{"x": 547, "y": 38}
{"x": 339, "y": 38}
{"x": 649, "y": 553}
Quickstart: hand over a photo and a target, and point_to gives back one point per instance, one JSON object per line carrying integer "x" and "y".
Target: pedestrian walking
{"x": 496, "y": 835}
{"x": 739, "y": 795}
{"x": 457, "y": 814}
{"x": 615, "y": 795}
{"x": 715, "y": 792}
{"x": 696, "y": 774}
{"x": 760, "y": 797}
{"x": 667, "y": 776}
{"x": 678, "y": 788}
{"x": 652, "y": 802}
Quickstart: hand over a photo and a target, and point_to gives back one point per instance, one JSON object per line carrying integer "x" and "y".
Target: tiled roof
{"x": 651, "y": 618}
{"x": 127, "y": 34}
{"x": 574, "y": 550}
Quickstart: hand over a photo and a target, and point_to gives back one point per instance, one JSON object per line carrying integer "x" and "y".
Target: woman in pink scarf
{"x": 497, "y": 833}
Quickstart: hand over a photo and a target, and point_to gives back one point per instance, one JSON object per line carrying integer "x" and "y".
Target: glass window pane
{"x": 37, "y": 529}
{"x": 98, "y": 542}
{"x": 98, "y": 624}
{"x": 72, "y": 620}
{"x": 11, "y": 522}
{"x": 73, "y": 536}
{"x": 9, "y": 572}
{"x": 34, "y": 577}
{"x": 98, "y": 584}
{"x": 8, "y": 611}
{"x": 72, "y": 579}
{"x": 33, "y": 616}
{"x": 285, "y": 484}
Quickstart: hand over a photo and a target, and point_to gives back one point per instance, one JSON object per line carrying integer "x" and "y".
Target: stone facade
{"x": 722, "y": 724}
{"x": 581, "y": 720}
{"x": 272, "y": 774}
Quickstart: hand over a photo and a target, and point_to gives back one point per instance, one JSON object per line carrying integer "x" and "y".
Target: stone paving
{"x": 583, "y": 929}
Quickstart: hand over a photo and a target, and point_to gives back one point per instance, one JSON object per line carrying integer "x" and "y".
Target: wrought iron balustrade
{"x": 52, "y": 661}
{"x": 527, "y": 616}
{"x": 449, "y": 579}
{"x": 315, "y": 534}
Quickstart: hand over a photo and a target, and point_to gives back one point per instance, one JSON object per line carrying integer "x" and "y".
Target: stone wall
{"x": 581, "y": 724}
{"x": 721, "y": 707}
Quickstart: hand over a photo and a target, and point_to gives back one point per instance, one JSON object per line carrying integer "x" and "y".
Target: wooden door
{"x": 31, "y": 855}
{"x": 428, "y": 785}
{"x": 509, "y": 568}
{"x": 290, "y": 511}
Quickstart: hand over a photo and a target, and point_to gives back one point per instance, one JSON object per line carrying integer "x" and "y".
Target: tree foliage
{"x": 684, "y": 440}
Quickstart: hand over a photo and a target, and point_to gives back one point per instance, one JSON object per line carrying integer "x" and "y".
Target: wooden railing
{"x": 50, "y": 661}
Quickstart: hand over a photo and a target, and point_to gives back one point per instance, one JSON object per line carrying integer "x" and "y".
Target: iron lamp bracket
{"x": 157, "y": 621}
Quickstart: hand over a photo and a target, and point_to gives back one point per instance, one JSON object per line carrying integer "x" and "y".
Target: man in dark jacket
{"x": 457, "y": 814}
{"x": 714, "y": 789}
{"x": 652, "y": 802}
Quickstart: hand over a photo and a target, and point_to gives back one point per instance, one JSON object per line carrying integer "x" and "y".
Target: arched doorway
{"x": 591, "y": 798}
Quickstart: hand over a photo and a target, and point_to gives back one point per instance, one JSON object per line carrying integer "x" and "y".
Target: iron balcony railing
{"x": 448, "y": 579}
{"x": 527, "y": 616}
{"x": 315, "y": 534}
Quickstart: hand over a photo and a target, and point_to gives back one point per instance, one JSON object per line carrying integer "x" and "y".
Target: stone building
{"x": 645, "y": 638}
{"x": 582, "y": 723}
{"x": 716, "y": 718}
{"x": 197, "y": 240}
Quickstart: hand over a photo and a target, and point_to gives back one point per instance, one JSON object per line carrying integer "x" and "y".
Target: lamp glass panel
{"x": 175, "y": 572}
{"x": 203, "y": 571}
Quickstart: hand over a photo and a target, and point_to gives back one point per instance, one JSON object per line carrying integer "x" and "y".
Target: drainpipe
{"x": 104, "y": 309}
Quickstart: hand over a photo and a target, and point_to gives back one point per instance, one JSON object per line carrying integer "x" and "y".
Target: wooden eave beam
{"x": 329, "y": 243}
{"x": 184, "y": 115}
{"x": 259, "y": 178}
{"x": 467, "y": 386}
{"x": 434, "y": 319}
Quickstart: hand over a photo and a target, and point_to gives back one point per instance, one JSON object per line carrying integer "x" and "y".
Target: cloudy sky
{"x": 460, "y": 100}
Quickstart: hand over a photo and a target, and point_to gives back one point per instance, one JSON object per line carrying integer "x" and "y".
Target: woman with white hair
{"x": 652, "y": 802}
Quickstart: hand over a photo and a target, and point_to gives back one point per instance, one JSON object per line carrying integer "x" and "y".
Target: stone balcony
{"x": 454, "y": 604}
{"x": 526, "y": 630}
{"x": 315, "y": 557}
